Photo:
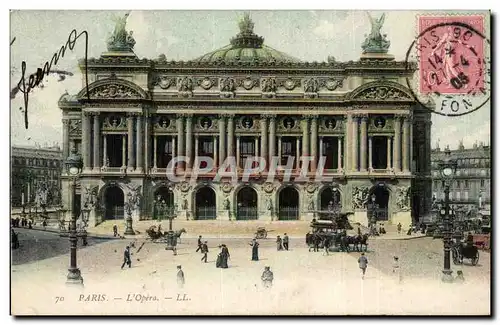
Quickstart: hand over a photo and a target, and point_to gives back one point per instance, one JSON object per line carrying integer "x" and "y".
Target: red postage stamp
{"x": 451, "y": 54}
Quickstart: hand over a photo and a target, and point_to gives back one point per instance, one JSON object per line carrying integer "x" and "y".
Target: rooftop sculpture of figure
{"x": 375, "y": 42}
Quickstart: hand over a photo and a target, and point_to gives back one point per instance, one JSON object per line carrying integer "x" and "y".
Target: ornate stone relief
{"x": 403, "y": 200}
{"x": 382, "y": 93}
{"x": 289, "y": 83}
{"x": 311, "y": 87}
{"x": 185, "y": 86}
{"x": 75, "y": 127}
{"x": 288, "y": 124}
{"x": 379, "y": 122}
{"x": 226, "y": 187}
{"x": 331, "y": 84}
{"x": 206, "y": 83}
{"x": 163, "y": 122}
{"x": 184, "y": 187}
{"x": 227, "y": 87}
{"x": 115, "y": 91}
{"x": 247, "y": 122}
{"x": 205, "y": 123}
{"x": 268, "y": 87}
{"x": 311, "y": 188}
{"x": 248, "y": 83}
{"x": 164, "y": 82}
{"x": 359, "y": 197}
{"x": 114, "y": 122}
{"x": 268, "y": 187}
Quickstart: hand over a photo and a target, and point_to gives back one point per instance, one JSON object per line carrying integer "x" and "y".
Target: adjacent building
{"x": 35, "y": 176}
{"x": 471, "y": 186}
{"x": 247, "y": 100}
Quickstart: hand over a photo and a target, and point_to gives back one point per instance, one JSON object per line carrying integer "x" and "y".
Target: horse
{"x": 179, "y": 233}
{"x": 360, "y": 241}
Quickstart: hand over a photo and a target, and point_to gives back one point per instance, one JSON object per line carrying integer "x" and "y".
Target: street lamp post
{"x": 373, "y": 215}
{"x": 129, "y": 230}
{"x": 74, "y": 167}
{"x": 448, "y": 168}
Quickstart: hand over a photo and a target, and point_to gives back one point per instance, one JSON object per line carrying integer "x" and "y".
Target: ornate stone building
{"x": 471, "y": 187}
{"x": 244, "y": 100}
{"x": 35, "y": 175}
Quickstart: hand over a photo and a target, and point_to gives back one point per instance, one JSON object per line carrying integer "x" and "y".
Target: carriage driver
{"x": 470, "y": 240}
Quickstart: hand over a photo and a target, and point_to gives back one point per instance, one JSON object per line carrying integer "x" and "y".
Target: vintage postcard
{"x": 250, "y": 162}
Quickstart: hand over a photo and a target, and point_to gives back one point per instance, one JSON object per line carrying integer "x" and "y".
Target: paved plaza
{"x": 305, "y": 282}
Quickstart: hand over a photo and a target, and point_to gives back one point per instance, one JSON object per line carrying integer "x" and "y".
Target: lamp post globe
{"x": 74, "y": 166}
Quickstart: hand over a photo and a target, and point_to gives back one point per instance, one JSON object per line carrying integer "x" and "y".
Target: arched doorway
{"x": 163, "y": 203}
{"x": 288, "y": 208}
{"x": 205, "y": 203}
{"x": 330, "y": 200}
{"x": 246, "y": 203}
{"x": 114, "y": 202}
{"x": 378, "y": 205}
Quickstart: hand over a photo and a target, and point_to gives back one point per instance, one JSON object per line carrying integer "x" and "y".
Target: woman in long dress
{"x": 279, "y": 243}
{"x": 225, "y": 256}
{"x": 255, "y": 250}
{"x": 218, "y": 263}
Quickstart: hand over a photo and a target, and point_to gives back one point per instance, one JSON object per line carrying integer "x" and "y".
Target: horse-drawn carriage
{"x": 326, "y": 233}
{"x": 261, "y": 233}
{"x": 460, "y": 251}
{"x": 157, "y": 236}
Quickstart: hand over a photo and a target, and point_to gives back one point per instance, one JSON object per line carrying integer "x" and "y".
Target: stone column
{"x": 406, "y": 145}
{"x": 196, "y": 147}
{"x": 105, "y": 151}
{"x": 124, "y": 152}
{"x": 140, "y": 146}
{"x": 320, "y": 147}
{"x": 314, "y": 142}
{"x": 147, "y": 142}
{"x": 65, "y": 139}
{"x": 347, "y": 142}
{"x": 389, "y": 165}
{"x": 189, "y": 140}
{"x": 297, "y": 154}
{"x": 238, "y": 151}
{"x": 339, "y": 153}
{"x": 305, "y": 136}
{"x": 370, "y": 153}
{"x": 155, "y": 151}
{"x": 397, "y": 143}
{"x": 256, "y": 152}
{"x": 216, "y": 151}
{"x": 279, "y": 150}
{"x": 180, "y": 141}
{"x": 86, "y": 141}
{"x": 364, "y": 131}
{"x": 130, "y": 150}
{"x": 272, "y": 137}
{"x": 174, "y": 147}
{"x": 97, "y": 142}
{"x": 230, "y": 136}
{"x": 263, "y": 139}
{"x": 222, "y": 139}
{"x": 355, "y": 143}
{"x": 427, "y": 158}
{"x": 410, "y": 153}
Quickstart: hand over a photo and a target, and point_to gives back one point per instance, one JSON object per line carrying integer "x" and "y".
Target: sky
{"x": 310, "y": 35}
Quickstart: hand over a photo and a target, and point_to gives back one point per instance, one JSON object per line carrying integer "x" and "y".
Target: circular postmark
{"x": 452, "y": 76}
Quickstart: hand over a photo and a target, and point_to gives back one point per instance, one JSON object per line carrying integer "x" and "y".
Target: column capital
{"x": 362, "y": 116}
{"x": 65, "y": 122}
{"x": 229, "y": 115}
{"x": 86, "y": 114}
{"x": 222, "y": 117}
{"x": 130, "y": 117}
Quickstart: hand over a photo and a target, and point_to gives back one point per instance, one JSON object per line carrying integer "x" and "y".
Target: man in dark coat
{"x": 267, "y": 277}
{"x": 285, "y": 241}
{"x": 204, "y": 251}
{"x": 255, "y": 250}
{"x": 115, "y": 230}
{"x": 14, "y": 238}
{"x": 126, "y": 257}
{"x": 200, "y": 244}
{"x": 279, "y": 243}
{"x": 363, "y": 263}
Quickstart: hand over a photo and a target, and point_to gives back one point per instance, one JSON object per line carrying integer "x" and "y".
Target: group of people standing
{"x": 282, "y": 243}
{"x": 22, "y": 222}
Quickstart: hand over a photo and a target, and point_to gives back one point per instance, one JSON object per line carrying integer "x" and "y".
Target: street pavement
{"x": 305, "y": 282}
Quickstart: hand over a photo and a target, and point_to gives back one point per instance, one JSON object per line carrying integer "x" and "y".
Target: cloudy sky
{"x": 184, "y": 35}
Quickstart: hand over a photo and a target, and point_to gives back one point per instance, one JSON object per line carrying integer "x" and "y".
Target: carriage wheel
{"x": 475, "y": 259}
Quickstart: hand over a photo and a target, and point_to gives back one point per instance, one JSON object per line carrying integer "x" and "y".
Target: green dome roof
{"x": 247, "y": 47}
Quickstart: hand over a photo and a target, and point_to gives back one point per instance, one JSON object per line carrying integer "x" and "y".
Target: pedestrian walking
{"x": 460, "y": 276}
{"x": 326, "y": 244}
{"x": 126, "y": 257}
{"x": 255, "y": 250}
{"x": 395, "y": 268}
{"x": 204, "y": 251}
{"x": 14, "y": 238}
{"x": 181, "y": 280}
{"x": 200, "y": 244}
{"x": 285, "y": 241}
{"x": 399, "y": 228}
{"x": 279, "y": 243}
{"x": 115, "y": 230}
{"x": 267, "y": 277}
{"x": 44, "y": 224}
{"x": 363, "y": 263}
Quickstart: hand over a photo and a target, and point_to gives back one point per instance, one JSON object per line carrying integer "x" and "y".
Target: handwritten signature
{"x": 35, "y": 79}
